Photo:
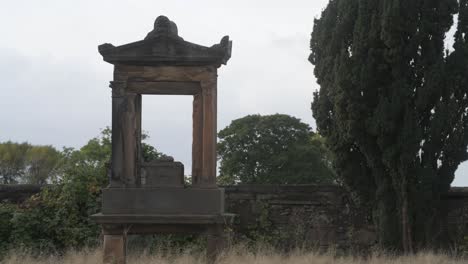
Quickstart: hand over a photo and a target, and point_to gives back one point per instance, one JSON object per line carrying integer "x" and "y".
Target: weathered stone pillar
{"x": 126, "y": 133}
{"x": 116, "y": 175}
{"x": 115, "y": 249}
{"x": 197, "y": 141}
{"x": 209, "y": 93}
{"x": 138, "y": 137}
{"x": 130, "y": 133}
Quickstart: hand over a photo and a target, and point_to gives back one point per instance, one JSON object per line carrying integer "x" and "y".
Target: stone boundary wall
{"x": 298, "y": 215}
{"x": 318, "y": 215}
{"x": 17, "y": 193}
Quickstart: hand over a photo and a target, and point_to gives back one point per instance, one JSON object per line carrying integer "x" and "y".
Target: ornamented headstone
{"x": 150, "y": 197}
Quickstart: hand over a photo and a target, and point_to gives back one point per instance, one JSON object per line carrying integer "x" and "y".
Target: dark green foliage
{"x": 276, "y": 149}
{"x": 166, "y": 244}
{"x": 393, "y": 106}
{"x": 57, "y": 218}
{"x": 6, "y": 214}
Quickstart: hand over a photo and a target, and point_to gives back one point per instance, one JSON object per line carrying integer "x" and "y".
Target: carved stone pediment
{"x": 163, "y": 47}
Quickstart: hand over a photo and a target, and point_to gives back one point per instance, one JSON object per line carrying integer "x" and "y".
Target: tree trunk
{"x": 386, "y": 218}
{"x": 406, "y": 228}
{"x": 430, "y": 224}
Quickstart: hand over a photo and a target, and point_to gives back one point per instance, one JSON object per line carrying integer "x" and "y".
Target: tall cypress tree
{"x": 393, "y": 105}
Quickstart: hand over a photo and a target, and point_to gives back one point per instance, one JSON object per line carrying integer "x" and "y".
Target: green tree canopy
{"x": 12, "y": 161}
{"x": 26, "y": 163}
{"x": 42, "y": 164}
{"x": 276, "y": 149}
{"x": 393, "y": 106}
{"x": 35, "y": 164}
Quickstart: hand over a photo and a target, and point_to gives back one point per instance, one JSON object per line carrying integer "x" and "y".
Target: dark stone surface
{"x": 18, "y": 193}
{"x": 163, "y": 47}
{"x": 298, "y": 215}
{"x": 162, "y": 219}
{"x": 162, "y": 173}
{"x": 163, "y": 27}
{"x": 318, "y": 216}
{"x": 140, "y": 201}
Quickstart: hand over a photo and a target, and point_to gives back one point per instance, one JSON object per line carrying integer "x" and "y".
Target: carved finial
{"x": 104, "y": 48}
{"x": 224, "y": 47}
{"x": 163, "y": 27}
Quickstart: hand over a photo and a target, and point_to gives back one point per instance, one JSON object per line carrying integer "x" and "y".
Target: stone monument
{"x": 150, "y": 197}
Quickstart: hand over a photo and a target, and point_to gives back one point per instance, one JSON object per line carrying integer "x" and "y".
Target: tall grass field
{"x": 235, "y": 257}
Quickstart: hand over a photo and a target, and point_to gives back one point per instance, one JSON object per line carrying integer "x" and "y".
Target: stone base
{"x": 116, "y": 227}
{"x": 115, "y": 247}
{"x": 148, "y": 201}
{"x": 167, "y": 224}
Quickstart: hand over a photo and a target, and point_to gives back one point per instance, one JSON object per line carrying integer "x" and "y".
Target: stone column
{"x": 197, "y": 139}
{"x": 209, "y": 94}
{"x": 139, "y": 157}
{"x": 116, "y": 175}
{"x": 130, "y": 143}
{"x": 126, "y": 108}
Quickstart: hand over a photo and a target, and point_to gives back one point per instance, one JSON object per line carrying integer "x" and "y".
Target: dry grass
{"x": 235, "y": 256}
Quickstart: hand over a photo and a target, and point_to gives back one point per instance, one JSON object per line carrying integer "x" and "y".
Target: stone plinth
{"x": 140, "y": 201}
{"x": 112, "y": 222}
{"x": 162, "y": 174}
{"x": 116, "y": 227}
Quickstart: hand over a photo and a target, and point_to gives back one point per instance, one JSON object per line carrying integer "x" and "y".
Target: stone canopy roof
{"x": 163, "y": 47}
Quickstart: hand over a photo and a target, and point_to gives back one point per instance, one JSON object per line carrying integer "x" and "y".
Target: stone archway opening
{"x": 167, "y": 120}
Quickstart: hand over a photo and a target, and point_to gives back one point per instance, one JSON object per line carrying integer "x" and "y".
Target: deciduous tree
{"x": 276, "y": 149}
{"x": 12, "y": 161}
{"x": 42, "y": 164}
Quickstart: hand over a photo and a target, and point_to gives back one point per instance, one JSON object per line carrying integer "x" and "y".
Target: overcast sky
{"x": 54, "y": 83}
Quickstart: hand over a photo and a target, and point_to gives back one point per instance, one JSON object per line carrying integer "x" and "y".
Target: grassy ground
{"x": 235, "y": 256}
